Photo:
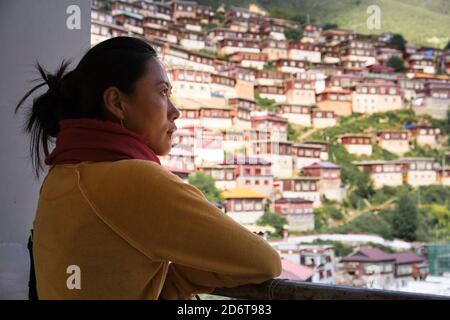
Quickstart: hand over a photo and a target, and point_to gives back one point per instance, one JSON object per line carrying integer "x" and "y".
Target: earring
{"x": 121, "y": 123}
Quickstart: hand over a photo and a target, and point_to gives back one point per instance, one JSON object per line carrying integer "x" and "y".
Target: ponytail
{"x": 46, "y": 112}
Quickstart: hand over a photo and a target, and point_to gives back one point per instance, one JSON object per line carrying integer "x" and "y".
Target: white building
{"x": 376, "y": 97}
{"x": 323, "y": 119}
{"x": 305, "y": 155}
{"x": 383, "y": 173}
{"x": 276, "y": 152}
{"x": 190, "y": 84}
{"x": 420, "y": 171}
{"x": 357, "y": 144}
{"x": 394, "y": 141}
{"x": 305, "y": 52}
{"x": 300, "y": 91}
{"x": 299, "y": 187}
{"x": 188, "y": 60}
{"x": 244, "y": 205}
{"x": 296, "y": 114}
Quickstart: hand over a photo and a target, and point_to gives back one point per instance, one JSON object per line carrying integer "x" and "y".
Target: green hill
{"x": 421, "y": 22}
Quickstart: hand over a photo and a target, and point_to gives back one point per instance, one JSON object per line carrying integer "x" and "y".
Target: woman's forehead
{"x": 156, "y": 73}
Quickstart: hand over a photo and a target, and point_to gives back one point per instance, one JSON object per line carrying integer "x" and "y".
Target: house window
{"x": 387, "y": 268}
{"x": 237, "y": 206}
{"x": 248, "y": 205}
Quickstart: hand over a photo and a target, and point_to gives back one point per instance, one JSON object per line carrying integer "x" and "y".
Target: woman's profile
{"x": 107, "y": 208}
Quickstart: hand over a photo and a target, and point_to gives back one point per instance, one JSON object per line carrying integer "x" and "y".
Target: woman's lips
{"x": 171, "y": 131}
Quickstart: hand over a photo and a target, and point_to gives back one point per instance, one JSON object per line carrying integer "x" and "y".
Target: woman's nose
{"x": 174, "y": 113}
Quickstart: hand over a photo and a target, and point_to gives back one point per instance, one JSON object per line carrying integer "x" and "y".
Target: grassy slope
{"x": 424, "y": 22}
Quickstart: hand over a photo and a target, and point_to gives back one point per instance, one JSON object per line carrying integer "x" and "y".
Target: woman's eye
{"x": 165, "y": 92}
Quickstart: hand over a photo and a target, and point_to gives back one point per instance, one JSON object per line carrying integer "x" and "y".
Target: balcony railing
{"x": 280, "y": 289}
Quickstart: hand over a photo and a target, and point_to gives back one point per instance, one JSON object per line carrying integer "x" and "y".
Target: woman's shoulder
{"x": 132, "y": 179}
{"x": 131, "y": 171}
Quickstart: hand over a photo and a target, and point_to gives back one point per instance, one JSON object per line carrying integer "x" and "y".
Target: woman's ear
{"x": 113, "y": 101}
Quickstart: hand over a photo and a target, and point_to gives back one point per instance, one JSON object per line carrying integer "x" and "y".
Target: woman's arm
{"x": 167, "y": 219}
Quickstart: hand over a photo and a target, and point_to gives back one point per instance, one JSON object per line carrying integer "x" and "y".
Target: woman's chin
{"x": 164, "y": 150}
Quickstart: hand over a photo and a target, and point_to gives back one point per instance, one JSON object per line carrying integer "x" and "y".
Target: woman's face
{"x": 149, "y": 110}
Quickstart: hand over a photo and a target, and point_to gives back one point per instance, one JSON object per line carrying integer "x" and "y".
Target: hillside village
{"x": 297, "y": 119}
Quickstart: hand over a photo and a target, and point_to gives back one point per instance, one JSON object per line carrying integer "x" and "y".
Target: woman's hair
{"x": 78, "y": 93}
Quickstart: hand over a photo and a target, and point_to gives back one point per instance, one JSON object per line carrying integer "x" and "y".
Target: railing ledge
{"x": 282, "y": 289}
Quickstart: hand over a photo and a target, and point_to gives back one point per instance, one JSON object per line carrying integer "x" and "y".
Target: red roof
{"x": 337, "y": 91}
{"x": 368, "y": 255}
{"x": 407, "y": 257}
{"x": 293, "y": 271}
{"x": 292, "y": 200}
{"x": 270, "y": 117}
{"x": 323, "y": 165}
{"x": 245, "y": 160}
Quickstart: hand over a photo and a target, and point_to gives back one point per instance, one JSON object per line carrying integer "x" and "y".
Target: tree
{"x": 368, "y": 223}
{"x": 442, "y": 215}
{"x": 269, "y": 66}
{"x": 398, "y": 42}
{"x": 447, "y": 46}
{"x": 274, "y": 220}
{"x": 205, "y": 184}
{"x": 405, "y": 219}
{"x": 292, "y": 133}
{"x": 277, "y": 12}
{"x": 364, "y": 185}
{"x": 105, "y": 5}
{"x": 268, "y": 104}
{"x": 328, "y": 26}
{"x": 447, "y": 122}
{"x": 293, "y": 34}
{"x": 396, "y": 63}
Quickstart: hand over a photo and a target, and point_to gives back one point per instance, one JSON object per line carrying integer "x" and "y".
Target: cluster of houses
{"x": 308, "y": 263}
{"x": 334, "y": 69}
{"x": 367, "y": 267}
{"x": 373, "y": 268}
{"x": 225, "y": 64}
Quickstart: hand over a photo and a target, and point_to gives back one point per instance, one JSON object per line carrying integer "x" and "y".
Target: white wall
{"x": 30, "y": 31}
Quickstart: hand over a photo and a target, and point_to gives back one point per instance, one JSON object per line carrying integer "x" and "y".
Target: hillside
{"x": 421, "y": 22}
{"x": 369, "y": 210}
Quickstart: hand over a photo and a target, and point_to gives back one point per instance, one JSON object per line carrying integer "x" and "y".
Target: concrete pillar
{"x": 40, "y": 30}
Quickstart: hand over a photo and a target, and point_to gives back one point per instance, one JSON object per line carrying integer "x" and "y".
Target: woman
{"x": 111, "y": 223}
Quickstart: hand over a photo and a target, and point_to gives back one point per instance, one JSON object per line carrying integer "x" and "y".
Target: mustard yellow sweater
{"x": 136, "y": 231}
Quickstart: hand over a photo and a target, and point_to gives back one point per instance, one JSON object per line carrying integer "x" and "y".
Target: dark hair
{"x": 78, "y": 93}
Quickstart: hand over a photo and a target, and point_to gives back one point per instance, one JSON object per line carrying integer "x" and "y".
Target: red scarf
{"x": 95, "y": 140}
